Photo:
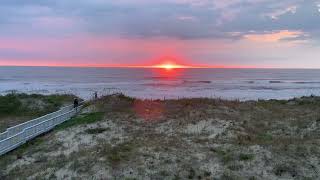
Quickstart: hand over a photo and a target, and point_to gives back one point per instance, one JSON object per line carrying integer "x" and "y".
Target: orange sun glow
{"x": 169, "y": 66}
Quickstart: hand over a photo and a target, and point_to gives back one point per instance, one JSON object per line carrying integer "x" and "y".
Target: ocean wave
{"x": 250, "y": 82}
{"x": 294, "y": 82}
{"x": 307, "y": 82}
{"x": 201, "y": 82}
{"x": 276, "y": 82}
{"x": 3, "y": 79}
{"x": 160, "y": 85}
{"x": 266, "y": 88}
{"x": 157, "y": 77}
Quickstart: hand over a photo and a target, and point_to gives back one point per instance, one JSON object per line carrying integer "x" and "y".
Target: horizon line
{"x": 156, "y": 67}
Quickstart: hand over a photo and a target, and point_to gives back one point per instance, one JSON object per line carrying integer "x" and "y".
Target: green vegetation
{"x": 120, "y": 152}
{"x": 18, "y": 108}
{"x": 282, "y": 169}
{"x": 96, "y": 130}
{"x": 229, "y": 176}
{"x": 265, "y": 137}
{"x": 242, "y": 140}
{"x": 125, "y": 97}
{"x": 117, "y": 103}
{"x": 86, "y": 118}
{"x": 192, "y": 174}
{"x": 10, "y": 104}
{"x": 246, "y": 157}
{"x": 225, "y": 155}
{"x": 30, "y": 146}
{"x": 31, "y": 105}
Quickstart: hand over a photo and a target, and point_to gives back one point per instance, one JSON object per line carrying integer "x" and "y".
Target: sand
{"x": 189, "y": 139}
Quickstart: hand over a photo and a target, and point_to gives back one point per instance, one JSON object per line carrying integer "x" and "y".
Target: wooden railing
{"x": 15, "y": 136}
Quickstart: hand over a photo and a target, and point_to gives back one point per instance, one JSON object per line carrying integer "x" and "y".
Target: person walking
{"x": 95, "y": 95}
{"x": 76, "y": 104}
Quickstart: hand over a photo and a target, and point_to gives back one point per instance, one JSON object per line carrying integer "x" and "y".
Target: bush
{"x": 121, "y": 152}
{"x": 282, "y": 169}
{"x": 265, "y": 137}
{"x": 246, "y": 157}
{"x": 192, "y": 173}
{"x": 96, "y": 130}
{"x": 10, "y": 105}
{"x": 24, "y": 104}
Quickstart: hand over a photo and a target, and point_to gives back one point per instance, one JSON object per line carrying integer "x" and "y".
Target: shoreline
{"x": 150, "y": 67}
{"x": 158, "y": 83}
{"x": 90, "y": 96}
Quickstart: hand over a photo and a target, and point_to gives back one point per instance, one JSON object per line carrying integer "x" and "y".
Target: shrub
{"x": 96, "y": 130}
{"x": 281, "y": 169}
{"x": 265, "y": 137}
{"x": 120, "y": 152}
{"x": 246, "y": 157}
{"x": 24, "y": 104}
{"x": 192, "y": 173}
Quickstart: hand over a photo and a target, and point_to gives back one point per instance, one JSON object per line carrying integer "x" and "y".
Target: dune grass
{"x": 31, "y": 105}
{"x": 86, "y": 118}
{"x": 96, "y": 130}
{"x": 278, "y": 135}
{"x": 18, "y": 108}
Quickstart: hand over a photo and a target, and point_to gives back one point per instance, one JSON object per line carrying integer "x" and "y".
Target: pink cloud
{"x": 106, "y": 43}
{"x": 104, "y": 50}
{"x": 28, "y": 44}
{"x": 118, "y": 51}
{"x": 273, "y": 36}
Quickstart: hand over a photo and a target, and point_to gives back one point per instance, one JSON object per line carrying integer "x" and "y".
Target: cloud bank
{"x": 261, "y": 33}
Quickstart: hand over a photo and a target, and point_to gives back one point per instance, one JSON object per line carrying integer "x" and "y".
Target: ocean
{"x": 242, "y": 84}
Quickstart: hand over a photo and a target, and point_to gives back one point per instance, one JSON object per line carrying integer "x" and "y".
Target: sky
{"x": 212, "y": 33}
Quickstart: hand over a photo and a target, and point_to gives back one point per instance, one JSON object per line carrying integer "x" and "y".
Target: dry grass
{"x": 18, "y": 108}
{"x": 144, "y": 139}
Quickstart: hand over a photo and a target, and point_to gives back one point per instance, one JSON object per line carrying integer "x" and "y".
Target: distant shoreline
{"x": 164, "y": 98}
{"x": 243, "y": 84}
{"x": 144, "y": 67}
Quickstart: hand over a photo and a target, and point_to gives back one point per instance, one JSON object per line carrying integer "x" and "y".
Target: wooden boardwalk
{"x": 16, "y": 136}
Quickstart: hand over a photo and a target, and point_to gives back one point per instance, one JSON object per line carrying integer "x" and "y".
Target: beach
{"x": 155, "y": 83}
{"x": 160, "y": 90}
{"x": 122, "y": 137}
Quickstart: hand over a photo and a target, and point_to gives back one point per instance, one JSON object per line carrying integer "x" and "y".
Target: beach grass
{"x": 17, "y": 108}
{"x": 198, "y": 138}
{"x": 21, "y": 104}
{"x": 85, "y": 118}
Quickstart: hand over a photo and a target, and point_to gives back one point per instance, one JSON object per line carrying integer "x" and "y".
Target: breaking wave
{"x": 200, "y": 82}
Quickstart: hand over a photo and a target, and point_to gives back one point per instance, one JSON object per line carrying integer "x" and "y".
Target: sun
{"x": 169, "y": 66}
